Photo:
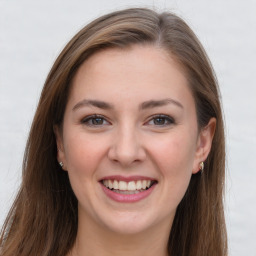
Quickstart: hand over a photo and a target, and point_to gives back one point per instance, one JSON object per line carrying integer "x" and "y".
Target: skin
{"x": 130, "y": 140}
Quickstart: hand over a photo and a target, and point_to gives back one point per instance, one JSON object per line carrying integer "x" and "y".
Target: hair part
{"x": 43, "y": 219}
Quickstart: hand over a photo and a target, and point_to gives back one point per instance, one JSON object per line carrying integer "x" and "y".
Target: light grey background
{"x": 32, "y": 33}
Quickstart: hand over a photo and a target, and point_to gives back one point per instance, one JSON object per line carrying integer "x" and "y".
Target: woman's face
{"x": 130, "y": 140}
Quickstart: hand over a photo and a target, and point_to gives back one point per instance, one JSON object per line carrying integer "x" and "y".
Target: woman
{"x": 126, "y": 152}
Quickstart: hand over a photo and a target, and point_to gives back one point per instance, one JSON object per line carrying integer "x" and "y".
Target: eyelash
{"x": 89, "y": 120}
{"x": 167, "y": 120}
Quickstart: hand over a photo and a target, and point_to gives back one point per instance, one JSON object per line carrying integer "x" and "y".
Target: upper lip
{"x": 127, "y": 179}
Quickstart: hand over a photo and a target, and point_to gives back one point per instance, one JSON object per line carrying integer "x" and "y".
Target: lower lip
{"x": 124, "y": 198}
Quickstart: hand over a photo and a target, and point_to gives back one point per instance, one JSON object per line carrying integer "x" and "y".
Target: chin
{"x": 130, "y": 223}
{"x": 128, "y": 228}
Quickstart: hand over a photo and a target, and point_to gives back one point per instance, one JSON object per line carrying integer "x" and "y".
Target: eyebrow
{"x": 94, "y": 103}
{"x": 160, "y": 103}
{"x": 145, "y": 105}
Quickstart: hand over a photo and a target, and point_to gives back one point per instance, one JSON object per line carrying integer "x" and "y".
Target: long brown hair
{"x": 43, "y": 219}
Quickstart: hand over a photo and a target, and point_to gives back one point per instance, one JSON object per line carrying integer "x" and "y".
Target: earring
{"x": 201, "y": 167}
{"x": 61, "y": 164}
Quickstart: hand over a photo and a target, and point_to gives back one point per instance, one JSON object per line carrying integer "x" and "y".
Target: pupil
{"x": 97, "y": 121}
{"x": 159, "y": 121}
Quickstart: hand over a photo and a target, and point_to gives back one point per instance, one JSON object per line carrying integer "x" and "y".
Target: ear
{"x": 204, "y": 144}
{"x": 60, "y": 147}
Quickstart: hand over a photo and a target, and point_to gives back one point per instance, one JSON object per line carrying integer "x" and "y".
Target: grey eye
{"x": 94, "y": 120}
{"x": 161, "y": 120}
{"x": 97, "y": 121}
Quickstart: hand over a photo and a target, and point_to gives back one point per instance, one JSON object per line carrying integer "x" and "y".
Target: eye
{"x": 95, "y": 120}
{"x": 161, "y": 120}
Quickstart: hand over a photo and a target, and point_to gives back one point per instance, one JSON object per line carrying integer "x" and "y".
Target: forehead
{"x": 142, "y": 72}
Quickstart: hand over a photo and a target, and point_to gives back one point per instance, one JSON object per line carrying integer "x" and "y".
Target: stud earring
{"x": 61, "y": 164}
{"x": 201, "y": 167}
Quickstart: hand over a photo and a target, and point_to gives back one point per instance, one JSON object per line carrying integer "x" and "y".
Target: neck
{"x": 94, "y": 240}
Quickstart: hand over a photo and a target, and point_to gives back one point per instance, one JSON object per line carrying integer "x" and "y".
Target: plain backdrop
{"x": 32, "y": 34}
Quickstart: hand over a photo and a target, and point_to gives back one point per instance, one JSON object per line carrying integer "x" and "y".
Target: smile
{"x": 131, "y": 187}
{"x": 127, "y": 190}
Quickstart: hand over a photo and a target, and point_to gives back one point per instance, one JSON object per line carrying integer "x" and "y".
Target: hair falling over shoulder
{"x": 43, "y": 219}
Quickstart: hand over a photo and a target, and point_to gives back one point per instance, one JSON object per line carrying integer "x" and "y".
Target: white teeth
{"x": 144, "y": 184}
{"x": 131, "y": 185}
{"x": 127, "y": 186}
{"x": 138, "y": 185}
{"x": 122, "y": 185}
{"x": 110, "y": 184}
{"x": 115, "y": 184}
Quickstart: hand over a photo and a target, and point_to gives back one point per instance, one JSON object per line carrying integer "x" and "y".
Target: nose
{"x": 127, "y": 148}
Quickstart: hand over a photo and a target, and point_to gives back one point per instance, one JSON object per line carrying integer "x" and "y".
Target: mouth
{"x": 128, "y": 187}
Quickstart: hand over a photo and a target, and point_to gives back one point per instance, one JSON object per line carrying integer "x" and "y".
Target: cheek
{"x": 83, "y": 155}
{"x": 174, "y": 158}
{"x": 174, "y": 155}
{"x": 83, "y": 152}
